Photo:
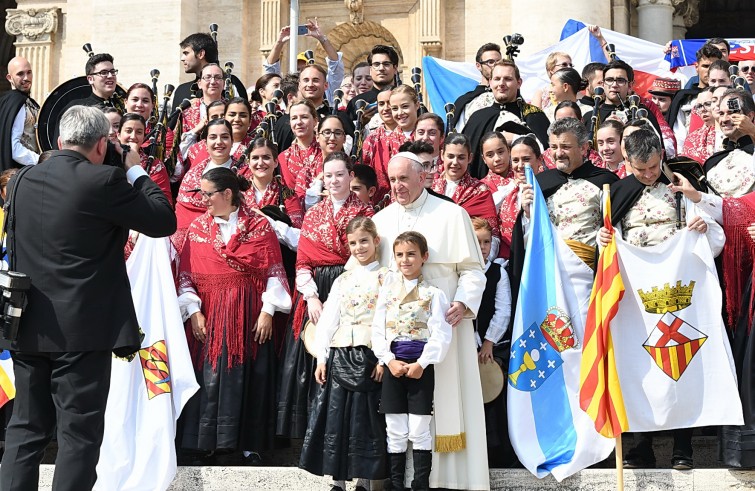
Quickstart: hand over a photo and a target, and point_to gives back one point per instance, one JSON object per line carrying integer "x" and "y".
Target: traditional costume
{"x": 737, "y": 443}
{"x": 231, "y": 270}
{"x": 320, "y": 259}
{"x": 731, "y": 171}
{"x": 515, "y": 117}
{"x": 189, "y": 204}
{"x": 646, "y": 216}
{"x": 550, "y": 163}
{"x": 574, "y": 205}
{"x": 468, "y": 104}
{"x": 345, "y": 436}
{"x": 700, "y": 144}
{"x": 295, "y": 160}
{"x": 474, "y": 196}
{"x": 410, "y": 326}
{"x": 455, "y": 266}
{"x": 377, "y": 150}
{"x": 158, "y": 173}
{"x": 506, "y": 199}
{"x": 18, "y": 120}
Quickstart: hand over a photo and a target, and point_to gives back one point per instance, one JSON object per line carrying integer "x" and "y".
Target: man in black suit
{"x": 73, "y": 217}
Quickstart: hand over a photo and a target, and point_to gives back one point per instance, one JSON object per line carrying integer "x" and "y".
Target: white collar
{"x": 370, "y": 267}
{"x": 417, "y": 203}
{"x": 232, "y": 218}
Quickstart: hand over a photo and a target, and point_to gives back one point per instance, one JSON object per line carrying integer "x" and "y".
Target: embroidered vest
{"x": 407, "y": 312}
{"x": 652, "y": 219}
{"x": 733, "y": 176}
{"x": 29, "y": 136}
{"x": 357, "y": 307}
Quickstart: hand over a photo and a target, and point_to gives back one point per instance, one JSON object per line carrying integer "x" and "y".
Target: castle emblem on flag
{"x": 154, "y": 360}
{"x": 535, "y": 355}
{"x": 673, "y": 343}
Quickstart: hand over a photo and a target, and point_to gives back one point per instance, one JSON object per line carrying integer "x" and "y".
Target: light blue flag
{"x": 549, "y": 431}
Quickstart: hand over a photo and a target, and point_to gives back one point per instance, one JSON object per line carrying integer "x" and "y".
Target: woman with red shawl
{"x": 140, "y": 100}
{"x": 322, "y": 254}
{"x": 737, "y": 216}
{"x": 495, "y": 152}
{"x": 304, "y": 152}
{"x": 331, "y": 137}
{"x": 231, "y": 283}
{"x": 378, "y": 150}
{"x": 132, "y": 130}
{"x": 466, "y": 191}
{"x": 189, "y": 203}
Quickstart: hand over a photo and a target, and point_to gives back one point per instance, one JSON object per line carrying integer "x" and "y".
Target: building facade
{"x": 145, "y": 34}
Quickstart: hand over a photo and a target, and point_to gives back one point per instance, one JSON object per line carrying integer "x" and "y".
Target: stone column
{"x": 654, "y": 19}
{"x": 270, "y": 25}
{"x": 34, "y": 30}
{"x": 430, "y": 27}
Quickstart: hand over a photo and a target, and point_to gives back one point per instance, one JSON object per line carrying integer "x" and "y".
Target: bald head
{"x": 407, "y": 179}
{"x": 19, "y": 74}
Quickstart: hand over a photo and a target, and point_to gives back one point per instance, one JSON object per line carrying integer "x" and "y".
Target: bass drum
{"x": 53, "y": 107}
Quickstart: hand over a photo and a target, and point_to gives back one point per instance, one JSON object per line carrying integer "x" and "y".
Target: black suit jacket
{"x": 72, "y": 222}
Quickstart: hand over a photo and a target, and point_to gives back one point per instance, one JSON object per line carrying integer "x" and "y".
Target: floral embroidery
{"x": 575, "y": 211}
{"x": 733, "y": 176}
{"x": 652, "y": 219}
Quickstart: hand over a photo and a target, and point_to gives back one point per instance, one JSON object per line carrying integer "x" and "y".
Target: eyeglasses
{"x": 617, "y": 81}
{"x": 745, "y": 69}
{"x": 106, "y": 73}
{"x": 565, "y": 65}
{"x": 430, "y": 166}
{"x": 386, "y": 64}
{"x": 705, "y": 105}
{"x": 205, "y": 194}
{"x": 336, "y": 133}
{"x": 489, "y": 62}
{"x": 210, "y": 78}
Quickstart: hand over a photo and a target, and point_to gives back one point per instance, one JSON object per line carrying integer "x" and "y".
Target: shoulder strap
{"x": 10, "y": 213}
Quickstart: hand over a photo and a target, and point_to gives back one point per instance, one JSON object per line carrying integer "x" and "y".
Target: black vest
{"x": 487, "y": 305}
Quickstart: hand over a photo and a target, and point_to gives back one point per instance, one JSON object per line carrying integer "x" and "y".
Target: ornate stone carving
{"x": 356, "y": 10}
{"x": 689, "y": 10}
{"x": 32, "y": 25}
{"x": 355, "y": 41}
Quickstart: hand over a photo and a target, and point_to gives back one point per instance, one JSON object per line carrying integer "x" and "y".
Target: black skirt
{"x": 234, "y": 409}
{"x": 737, "y": 443}
{"x": 345, "y": 437}
{"x": 297, "y": 386}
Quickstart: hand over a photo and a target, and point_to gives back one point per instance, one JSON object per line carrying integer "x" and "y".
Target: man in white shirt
{"x": 18, "y": 118}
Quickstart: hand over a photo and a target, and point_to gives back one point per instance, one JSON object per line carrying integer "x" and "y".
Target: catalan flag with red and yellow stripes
{"x": 600, "y": 391}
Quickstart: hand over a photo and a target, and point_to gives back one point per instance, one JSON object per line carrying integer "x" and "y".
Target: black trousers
{"x": 70, "y": 389}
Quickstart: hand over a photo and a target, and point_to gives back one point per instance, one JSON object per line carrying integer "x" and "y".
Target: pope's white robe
{"x": 455, "y": 266}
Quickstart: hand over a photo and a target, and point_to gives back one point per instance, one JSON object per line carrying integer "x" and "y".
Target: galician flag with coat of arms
{"x": 672, "y": 354}
{"x": 548, "y": 430}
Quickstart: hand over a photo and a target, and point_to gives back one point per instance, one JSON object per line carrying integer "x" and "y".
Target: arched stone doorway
{"x": 356, "y": 41}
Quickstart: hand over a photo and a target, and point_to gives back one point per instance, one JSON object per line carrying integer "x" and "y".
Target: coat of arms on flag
{"x": 673, "y": 342}
{"x": 154, "y": 361}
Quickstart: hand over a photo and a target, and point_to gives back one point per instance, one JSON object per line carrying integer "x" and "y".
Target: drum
{"x": 53, "y": 107}
{"x": 491, "y": 379}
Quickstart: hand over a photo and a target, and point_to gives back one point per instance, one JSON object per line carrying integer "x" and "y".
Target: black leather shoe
{"x": 253, "y": 459}
{"x": 682, "y": 464}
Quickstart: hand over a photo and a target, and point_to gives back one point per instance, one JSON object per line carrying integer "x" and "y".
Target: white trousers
{"x": 402, "y": 428}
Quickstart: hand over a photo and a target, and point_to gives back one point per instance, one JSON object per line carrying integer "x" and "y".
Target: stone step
{"x": 289, "y": 478}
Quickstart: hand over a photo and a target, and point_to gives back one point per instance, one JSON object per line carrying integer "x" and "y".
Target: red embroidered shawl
{"x": 475, "y": 197}
{"x": 508, "y": 210}
{"x": 377, "y": 150}
{"x": 700, "y": 143}
{"x": 272, "y": 196}
{"x": 739, "y": 213}
{"x": 295, "y": 159}
{"x": 229, "y": 280}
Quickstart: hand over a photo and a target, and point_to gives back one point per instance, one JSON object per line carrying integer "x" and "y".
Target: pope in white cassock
{"x": 455, "y": 266}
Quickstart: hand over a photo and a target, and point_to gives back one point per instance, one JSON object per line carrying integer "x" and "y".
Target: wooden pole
{"x": 619, "y": 465}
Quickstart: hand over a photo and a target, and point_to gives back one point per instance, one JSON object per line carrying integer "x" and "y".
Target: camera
{"x": 13, "y": 301}
{"x": 113, "y": 157}
{"x": 734, "y": 105}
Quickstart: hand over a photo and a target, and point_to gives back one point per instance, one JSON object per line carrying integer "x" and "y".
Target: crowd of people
{"x": 345, "y": 260}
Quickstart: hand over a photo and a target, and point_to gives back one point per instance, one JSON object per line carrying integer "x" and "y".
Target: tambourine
{"x": 491, "y": 379}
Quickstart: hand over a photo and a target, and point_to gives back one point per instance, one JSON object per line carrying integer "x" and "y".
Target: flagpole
{"x": 619, "y": 464}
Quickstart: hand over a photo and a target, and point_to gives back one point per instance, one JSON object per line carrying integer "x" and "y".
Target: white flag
{"x": 673, "y": 357}
{"x": 148, "y": 393}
